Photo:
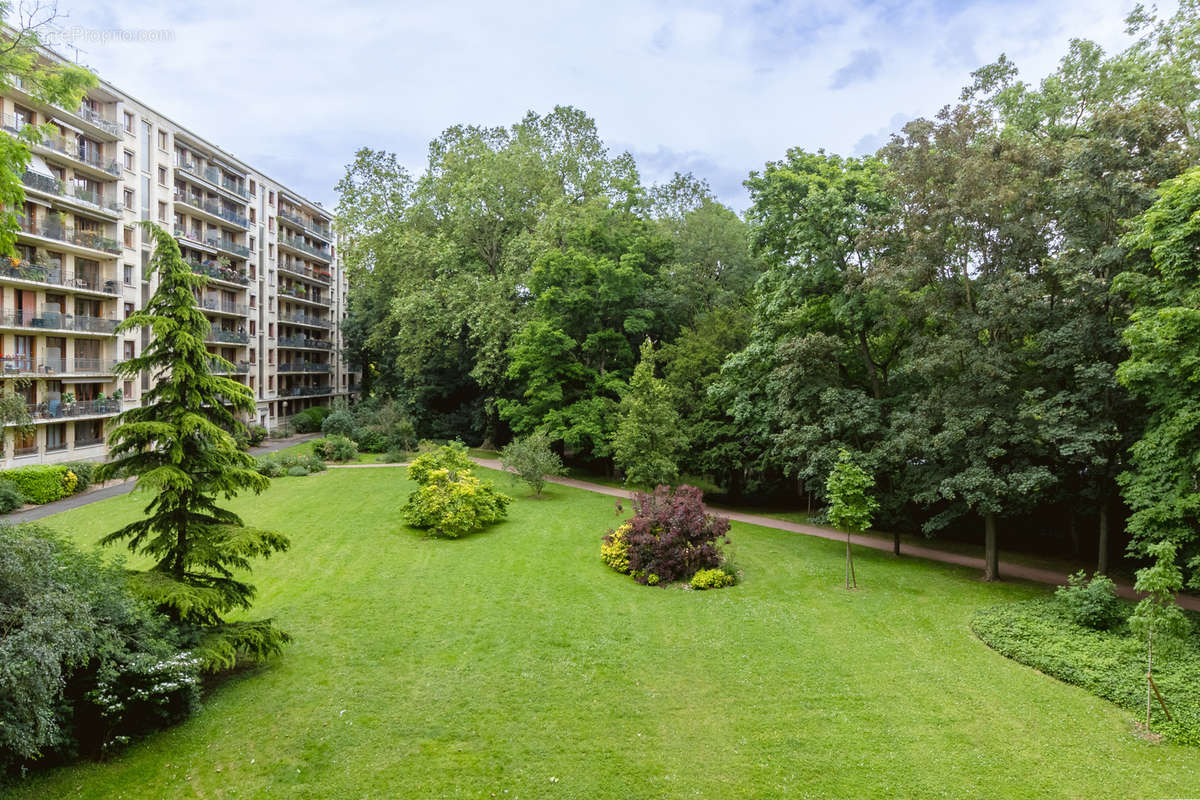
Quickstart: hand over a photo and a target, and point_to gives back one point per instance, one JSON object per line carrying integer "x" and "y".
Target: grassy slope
{"x": 427, "y": 668}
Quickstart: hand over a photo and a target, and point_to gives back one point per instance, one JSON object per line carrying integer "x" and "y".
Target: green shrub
{"x": 257, "y": 435}
{"x": 297, "y": 471}
{"x": 711, "y": 579}
{"x": 310, "y": 419}
{"x": 1108, "y": 663}
{"x": 10, "y": 497}
{"x": 85, "y": 471}
{"x": 312, "y": 463}
{"x": 1091, "y": 603}
{"x": 270, "y": 467}
{"x": 371, "y": 440}
{"x": 531, "y": 460}
{"x": 87, "y": 665}
{"x": 335, "y": 448}
{"x": 340, "y": 423}
{"x": 395, "y": 457}
{"x": 41, "y": 483}
{"x": 449, "y": 501}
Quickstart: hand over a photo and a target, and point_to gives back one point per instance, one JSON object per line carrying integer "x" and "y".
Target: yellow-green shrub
{"x": 614, "y": 549}
{"x": 711, "y": 579}
{"x": 454, "y": 505}
{"x": 42, "y": 483}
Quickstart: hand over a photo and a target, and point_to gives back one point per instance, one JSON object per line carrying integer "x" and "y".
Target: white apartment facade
{"x": 275, "y": 299}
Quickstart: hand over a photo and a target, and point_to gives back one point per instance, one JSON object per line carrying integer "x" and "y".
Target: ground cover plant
{"x": 464, "y": 684}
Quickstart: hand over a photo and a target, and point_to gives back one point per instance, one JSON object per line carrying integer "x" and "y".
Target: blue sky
{"x": 295, "y": 87}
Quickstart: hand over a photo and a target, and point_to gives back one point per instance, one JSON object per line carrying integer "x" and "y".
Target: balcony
{"x": 303, "y": 246}
{"x": 23, "y": 366}
{"x": 57, "y": 321}
{"x": 50, "y": 272}
{"x": 223, "y": 306}
{"x": 218, "y": 368}
{"x": 88, "y": 156}
{"x": 305, "y": 224}
{"x": 301, "y": 293}
{"x": 213, "y": 176}
{"x": 217, "y": 334}
{"x": 300, "y": 341}
{"x": 58, "y": 409}
{"x": 69, "y": 191}
{"x": 94, "y": 117}
{"x": 300, "y": 318}
{"x": 306, "y": 391}
{"x": 92, "y": 240}
{"x": 297, "y": 268}
{"x": 304, "y": 366}
{"x": 211, "y": 207}
{"x": 228, "y": 245}
{"x": 214, "y": 270}
{"x": 195, "y": 238}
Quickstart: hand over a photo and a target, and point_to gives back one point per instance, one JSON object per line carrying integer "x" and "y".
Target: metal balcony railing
{"x": 226, "y": 336}
{"x": 306, "y": 391}
{"x": 299, "y": 268}
{"x": 301, "y": 293}
{"x": 51, "y": 272}
{"x": 239, "y": 368}
{"x": 304, "y": 341}
{"x": 300, "y": 244}
{"x": 58, "y": 409}
{"x": 300, "y": 318}
{"x": 213, "y": 269}
{"x": 213, "y": 304}
{"x": 55, "y": 320}
{"x": 28, "y": 365}
{"x": 81, "y": 238}
{"x": 304, "y": 366}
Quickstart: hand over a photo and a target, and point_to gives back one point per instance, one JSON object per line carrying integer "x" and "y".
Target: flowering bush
{"x": 670, "y": 537}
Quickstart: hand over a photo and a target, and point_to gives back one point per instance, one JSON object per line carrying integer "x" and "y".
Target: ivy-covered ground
{"x": 514, "y": 664}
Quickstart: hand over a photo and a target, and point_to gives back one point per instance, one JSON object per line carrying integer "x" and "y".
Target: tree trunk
{"x": 851, "y": 582}
{"x": 896, "y": 543}
{"x": 1149, "y": 671}
{"x": 1073, "y": 533}
{"x": 991, "y": 555}
{"x": 1102, "y": 554}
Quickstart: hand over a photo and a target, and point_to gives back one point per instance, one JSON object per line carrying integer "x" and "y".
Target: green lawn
{"x": 513, "y": 664}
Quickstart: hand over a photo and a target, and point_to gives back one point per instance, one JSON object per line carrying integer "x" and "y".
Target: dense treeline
{"x": 952, "y": 310}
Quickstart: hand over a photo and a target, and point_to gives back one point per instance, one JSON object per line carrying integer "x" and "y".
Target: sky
{"x": 295, "y": 88}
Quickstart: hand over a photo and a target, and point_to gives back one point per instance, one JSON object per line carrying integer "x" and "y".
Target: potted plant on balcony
{"x": 68, "y": 402}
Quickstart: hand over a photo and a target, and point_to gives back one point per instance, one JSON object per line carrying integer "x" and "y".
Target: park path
{"x": 1007, "y": 569}
{"x": 117, "y": 488}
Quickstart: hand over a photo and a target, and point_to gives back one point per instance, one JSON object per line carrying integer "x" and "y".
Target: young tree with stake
{"x": 851, "y": 508}
{"x": 1157, "y": 619}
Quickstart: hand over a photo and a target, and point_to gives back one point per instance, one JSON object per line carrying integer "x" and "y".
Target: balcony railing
{"x": 213, "y": 304}
{"x": 300, "y": 244}
{"x": 216, "y": 334}
{"x": 71, "y": 149}
{"x": 355, "y": 387}
{"x": 307, "y": 224}
{"x": 235, "y": 187}
{"x": 303, "y": 294}
{"x": 306, "y": 391}
{"x": 212, "y": 207}
{"x": 55, "y": 320}
{"x": 302, "y": 269}
{"x": 80, "y": 238}
{"x": 228, "y": 245}
{"x": 304, "y": 341}
{"x": 304, "y": 319}
{"x": 239, "y": 368}
{"x": 28, "y": 365}
{"x": 57, "y": 409}
{"x": 213, "y": 176}
{"x": 107, "y": 125}
{"x": 213, "y": 269}
{"x": 51, "y": 272}
{"x": 304, "y": 366}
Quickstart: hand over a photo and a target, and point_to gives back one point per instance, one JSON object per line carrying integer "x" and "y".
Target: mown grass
{"x": 514, "y": 664}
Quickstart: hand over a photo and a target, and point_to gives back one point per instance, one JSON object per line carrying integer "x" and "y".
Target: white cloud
{"x": 296, "y": 87}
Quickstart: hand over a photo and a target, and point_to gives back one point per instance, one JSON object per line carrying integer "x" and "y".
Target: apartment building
{"x": 274, "y": 300}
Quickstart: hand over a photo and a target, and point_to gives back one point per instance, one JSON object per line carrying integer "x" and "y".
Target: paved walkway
{"x": 1007, "y": 569}
{"x": 115, "y": 488}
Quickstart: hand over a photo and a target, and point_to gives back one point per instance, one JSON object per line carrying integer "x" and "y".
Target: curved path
{"x": 1007, "y": 569}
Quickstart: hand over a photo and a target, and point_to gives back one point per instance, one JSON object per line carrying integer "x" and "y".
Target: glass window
{"x": 146, "y": 128}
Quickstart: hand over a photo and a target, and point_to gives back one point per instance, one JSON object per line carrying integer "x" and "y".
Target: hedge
{"x": 42, "y": 483}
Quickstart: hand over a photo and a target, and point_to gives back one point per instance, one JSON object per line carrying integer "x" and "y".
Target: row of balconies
{"x": 213, "y": 269}
{"x": 306, "y": 391}
{"x": 299, "y": 340}
{"x": 212, "y": 207}
{"x": 300, "y": 244}
{"x": 309, "y": 225}
{"x": 214, "y": 241}
{"x": 16, "y": 366}
{"x": 60, "y": 409}
{"x": 300, "y": 318}
{"x": 213, "y": 176}
{"x": 225, "y": 306}
{"x": 304, "y": 366}
{"x": 300, "y": 268}
{"x": 218, "y": 334}
{"x": 303, "y": 293}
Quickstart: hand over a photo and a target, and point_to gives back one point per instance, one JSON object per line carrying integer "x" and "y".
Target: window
{"x": 128, "y": 310}
{"x": 271, "y": 198}
{"x": 22, "y": 116}
{"x": 270, "y": 383}
{"x": 270, "y": 330}
{"x": 56, "y": 436}
{"x": 128, "y": 122}
{"x": 162, "y": 175}
{"x": 253, "y": 190}
{"x": 252, "y": 327}
{"x": 252, "y": 356}
{"x": 127, "y": 388}
{"x": 145, "y": 197}
{"x": 146, "y": 129}
{"x": 128, "y": 350}
{"x": 253, "y": 301}
{"x": 128, "y": 281}
{"x": 271, "y": 251}
{"x": 251, "y": 215}
{"x": 129, "y": 160}
{"x": 129, "y": 199}
{"x": 252, "y": 242}
{"x": 271, "y": 224}
{"x": 270, "y": 356}
{"x": 127, "y": 233}
{"x": 162, "y": 211}
{"x": 162, "y": 140}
